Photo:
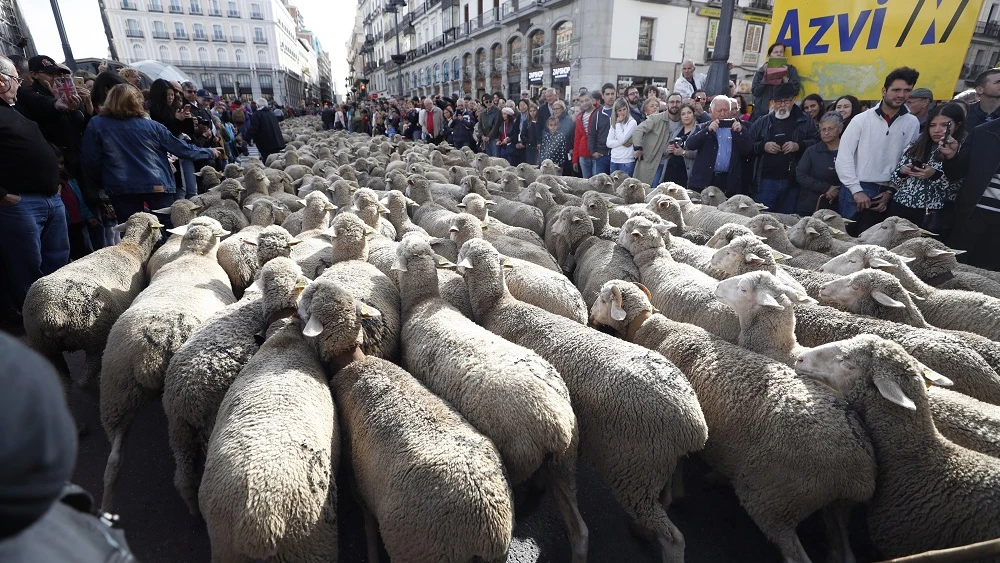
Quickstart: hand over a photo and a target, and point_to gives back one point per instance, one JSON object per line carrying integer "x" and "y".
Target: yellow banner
{"x": 849, "y": 46}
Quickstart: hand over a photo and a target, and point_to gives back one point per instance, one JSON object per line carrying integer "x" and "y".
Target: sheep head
{"x": 333, "y": 318}
{"x": 200, "y": 236}
{"x": 749, "y": 293}
{"x": 872, "y": 293}
{"x": 891, "y": 232}
{"x": 712, "y": 195}
{"x": 745, "y": 253}
{"x": 476, "y": 205}
{"x": 273, "y": 242}
{"x": 811, "y": 234}
{"x": 666, "y": 208}
{"x": 930, "y": 256}
{"x": 639, "y": 234}
{"x": 349, "y": 237}
{"x": 726, "y": 233}
{"x": 618, "y": 303}
{"x": 863, "y": 256}
{"x": 741, "y": 205}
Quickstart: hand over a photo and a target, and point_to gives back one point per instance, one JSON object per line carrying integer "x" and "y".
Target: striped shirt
{"x": 991, "y": 197}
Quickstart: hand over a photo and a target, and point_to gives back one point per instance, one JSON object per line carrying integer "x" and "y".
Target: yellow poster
{"x": 848, "y": 46}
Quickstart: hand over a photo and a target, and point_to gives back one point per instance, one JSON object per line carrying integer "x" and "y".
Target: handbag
{"x": 940, "y": 221}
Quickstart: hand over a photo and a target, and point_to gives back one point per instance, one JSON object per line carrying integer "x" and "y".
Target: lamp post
{"x": 718, "y": 75}
{"x": 398, "y": 58}
{"x": 67, "y": 52}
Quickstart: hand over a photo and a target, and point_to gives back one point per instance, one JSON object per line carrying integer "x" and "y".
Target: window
{"x": 261, "y": 57}
{"x": 437, "y": 74}
{"x": 217, "y": 33}
{"x": 467, "y": 66}
{"x": 203, "y": 55}
{"x": 138, "y": 53}
{"x": 446, "y": 68}
{"x": 564, "y": 42}
{"x": 208, "y": 81}
{"x": 226, "y": 80}
{"x": 175, "y": 7}
{"x": 420, "y": 78}
{"x": 238, "y": 55}
{"x": 244, "y": 80}
{"x": 221, "y": 55}
{"x": 255, "y": 12}
{"x": 198, "y": 31}
{"x": 514, "y": 49}
{"x": 164, "y": 53}
{"x": 196, "y": 7}
{"x": 233, "y": 12}
{"x": 496, "y": 58}
{"x": 752, "y": 43}
{"x": 185, "y": 55}
{"x": 132, "y": 28}
{"x": 236, "y": 34}
{"x": 160, "y": 31}
{"x": 645, "y": 39}
{"x": 155, "y": 6}
{"x": 481, "y": 68}
{"x": 454, "y": 68}
{"x": 265, "y": 81}
{"x": 537, "y": 48}
{"x": 258, "y": 35}
{"x": 213, "y": 8}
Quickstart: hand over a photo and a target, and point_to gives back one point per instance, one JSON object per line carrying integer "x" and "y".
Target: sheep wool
{"x": 931, "y": 493}
{"x": 623, "y": 395}
{"x": 936, "y": 265}
{"x": 592, "y": 260}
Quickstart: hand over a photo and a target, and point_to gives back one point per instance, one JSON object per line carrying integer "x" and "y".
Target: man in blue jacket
{"x": 600, "y": 125}
{"x": 720, "y": 144}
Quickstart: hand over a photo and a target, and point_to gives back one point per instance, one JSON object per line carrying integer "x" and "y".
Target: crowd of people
{"x": 75, "y": 166}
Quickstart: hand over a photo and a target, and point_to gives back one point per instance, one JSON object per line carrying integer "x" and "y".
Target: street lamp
{"x": 718, "y": 74}
{"x": 399, "y": 58}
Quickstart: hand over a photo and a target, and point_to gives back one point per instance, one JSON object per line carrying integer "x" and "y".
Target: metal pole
{"x": 67, "y": 52}
{"x": 718, "y": 75}
{"x": 399, "y": 66}
{"x": 112, "y": 50}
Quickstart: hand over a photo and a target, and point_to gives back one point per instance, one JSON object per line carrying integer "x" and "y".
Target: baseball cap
{"x": 41, "y": 63}
{"x": 922, "y": 93}
{"x": 202, "y": 93}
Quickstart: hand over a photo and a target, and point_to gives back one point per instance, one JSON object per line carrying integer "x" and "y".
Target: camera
{"x": 726, "y": 123}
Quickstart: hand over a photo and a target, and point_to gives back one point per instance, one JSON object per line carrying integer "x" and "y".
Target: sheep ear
{"x": 835, "y": 231}
{"x": 779, "y": 256}
{"x": 906, "y": 228}
{"x": 302, "y": 201}
{"x": 364, "y": 311}
{"x": 936, "y": 252}
{"x": 119, "y": 228}
{"x": 399, "y": 264}
{"x": 313, "y": 327}
{"x": 884, "y": 299}
{"x": 744, "y": 206}
{"x": 505, "y": 264}
{"x": 880, "y": 263}
{"x": 770, "y": 228}
{"x": 248, "y": 207}
{"x": 889, "y": 389}
{"x": 442, "y": 262}
{"x": 293, "y": 242}
{"x": 754, "y": 259}
{"x": 163, "y": 211}
{"x": 488, "y": 202}
{"x": 906, "y": 259}
{"x": 182, "y": 230}
{"x": 761, "y": 206}
{"x": 768, "y": 300}
{"x": 460, "y": 205}
{"x": 915, "y": 297}
{"x": 812, "y": 230}
{"x": 258, "y": 284}
{"x": 617, "y": 313}
{"x": 664, "y": 226}
{"x": 250, "y": 242}
{"x": 465, "y": 263}
{"x": 934, "y": 377}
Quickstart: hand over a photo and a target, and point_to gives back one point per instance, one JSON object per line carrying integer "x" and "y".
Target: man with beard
{"x": 632, "y": 95}
{"x": 779, "y": 139}
{"x": 871, "y": 148}
{"x": 652, "y": 136}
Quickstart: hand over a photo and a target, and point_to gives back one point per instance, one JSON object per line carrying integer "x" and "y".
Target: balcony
{"x": 181, "y": 35}
{"x": 761, "y": 5}
{"x": 176, "y": 9}
{"x": 195, "y": 11}
{"x": 257, "y": 16}
{"x": 219, "y": 38}
{"x": 155, "y": 7}
{"x": 260, "y": 41}
{"x": 514, "y": 63}
{"x": 238, "y": 39}
{"x": 215, "y": 13}
{"x": 134, "y": 33}
{"x": 160, "y": 35}
{"x": 199, "y": 37}
{"x": 232, "y": 14}
{"x": 988, "y": 29}
{"x": 127, "y": 5}
{"x": 970, "y": 72}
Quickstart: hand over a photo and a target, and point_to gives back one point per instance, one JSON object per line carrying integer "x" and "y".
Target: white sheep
{"x": 181, "y": 212}
{"x": 773, "y": 232}
{"x": 181, "y": 296}
{"x": 238, "y": 253}
{"x": 931, "y": 493}
{"x": 936, "y": 265}
{"x": 813, "y": 234}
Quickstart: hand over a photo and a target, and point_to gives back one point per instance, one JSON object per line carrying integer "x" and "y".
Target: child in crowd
{"x": 554, "y": 145}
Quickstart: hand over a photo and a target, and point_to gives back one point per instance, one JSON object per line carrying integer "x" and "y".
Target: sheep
{"x": 314, "y": 215}
{"x": 431, "y": 215}
{"x": 518, "y": 214}
{"x": 351, "y": 271}
{"x": 631, "y": 191}
{"x": 256, "y": 184}
{"x": 892, "y": 231}
{"x": 269, "y": 487}
{"x": 834, "y": 221}
{"x": 597, "y": 206}
{"x": 811, "y": 233}
{"x": 931, "y": 493}
{"x": 777, "y": 333}
{"x": 872, "y": 293}
{"x": 505, "y": 391}
{"x": 209, "y": 177}
{"x": 747, "y": 253}
{"x": 396, "y": 203}
{"x": 449, "y": 502}
{"x": 75, "y": 307}
{"x": 943, "y": 308}
{"x": 774, "y": 234}
{"x": 203, "y": 368}
{"x": 540, "y": 196}
{"x": 682, "y": 292}
{"x": 478, "y": 206}
{"x": 366, "y": 206}
{"x": 271, "y": 243}
{"x": 713, "y": 195}
{"x": 593, "y": 261}
{"x": 668, "y": 209}
{"x": 238, "y": 253}
{"x": 776, "y": 454}
{"x": 226, "y": 210}
{"x": 181, "y": 212}
{"x": 623, "y": 396}
{"x": 935, "y": 264}
{"x": 465, "y": 226}
{"x": 181, "y": 296}
{"x": 741, "y": 205}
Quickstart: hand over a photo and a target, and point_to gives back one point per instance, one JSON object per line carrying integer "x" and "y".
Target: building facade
{"x": 234, "y": 48}
{"x": 15, "y": 39}
{"x": 471, "y": 47}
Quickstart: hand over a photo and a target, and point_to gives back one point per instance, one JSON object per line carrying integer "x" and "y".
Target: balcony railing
{"x": 988, "y": 29}
{"x": 216, "y": 13}
{"x": 260, "y": 40}
{"x": 176, "y": 9}
{"x": 155, "y": 7}
{"x": 134, "y": 33}
{"x": 195, "y": 11}
{"x": 767, "y": 5}
{"x": 199, "y": 37}
{"x": 238, "y": 39}
{"x": 160, "y": 35}
{"x": 232, "y": 14}
{"x": 219, "y": 38}
{"x": 180, "y": 35}
{"x": 126, "y": 5}
{"x": 256, "y": 16}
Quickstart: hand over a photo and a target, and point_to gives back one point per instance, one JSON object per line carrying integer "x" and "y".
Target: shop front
{"x": 535, "y": 83}
{"x": 642, "y": 82}
{"x": 560, "y": 80}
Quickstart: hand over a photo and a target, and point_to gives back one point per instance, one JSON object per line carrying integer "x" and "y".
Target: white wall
{"x": 668, "y": 30}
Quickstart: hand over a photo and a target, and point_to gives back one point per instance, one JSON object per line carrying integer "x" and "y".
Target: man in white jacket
{"x": 689, "y": 82}
{"x": 872, "y": 146}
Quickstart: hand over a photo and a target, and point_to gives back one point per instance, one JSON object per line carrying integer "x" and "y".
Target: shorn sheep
{"x": 931, "y": 493}
{"x": 623, "y": 395}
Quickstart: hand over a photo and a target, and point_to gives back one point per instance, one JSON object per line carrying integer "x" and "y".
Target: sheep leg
{"x": 119, "y": 402}
{"x": 781, "y": 532}
{"x": 185, "y": 446}
{"x": 91, "y": 370}
{"x": 643, "y": 502}
{"x": 562, "y": 480}
{"x": 371, "y": 532}
{"x": 836, "y": 517}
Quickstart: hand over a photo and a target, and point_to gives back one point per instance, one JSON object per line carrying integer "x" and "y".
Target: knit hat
{"x": 507, "y": 111}
{"x": 38, "y": 445}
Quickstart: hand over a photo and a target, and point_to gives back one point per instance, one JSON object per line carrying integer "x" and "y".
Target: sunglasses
{"x": 699, "y": 99}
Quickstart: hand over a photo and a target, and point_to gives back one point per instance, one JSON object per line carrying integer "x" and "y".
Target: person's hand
{"x": 103, "y": 67}
{"x": 519, "y": 146}
{"x": 676, "y": 150}
{"x": 785, "y": 77}
{"x": 790, "y": 147}
{"x": 714, "y": 125}
{"x": 737, "y": 126}
{"x": 638, "y": 154}
{"x": 948, "y": 148}
{"x": 924, "y": 173}
{"x": 486, "y": 139}
{"x": 881, "y": 202}
{"x": 771, "y": 147}
{"x": 576, "y": 167}
{"x": 862, "y": 200}
{"x": 596, "y": 155}
{"x": 216, "y": 153}
{"x": 67, "y": 105}
{"x": 84, "y": 93}
{"x": 832, "y": 193}
{"x": 9, "y": 200}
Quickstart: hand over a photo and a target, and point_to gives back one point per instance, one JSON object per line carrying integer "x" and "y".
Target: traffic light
{"x": 364, "y": 88}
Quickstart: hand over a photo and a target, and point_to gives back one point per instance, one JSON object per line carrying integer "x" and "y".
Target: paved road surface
{"x": 160, "y": 530}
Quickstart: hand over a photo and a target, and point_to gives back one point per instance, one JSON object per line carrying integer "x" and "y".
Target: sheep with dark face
{"x": 936, "y": 265}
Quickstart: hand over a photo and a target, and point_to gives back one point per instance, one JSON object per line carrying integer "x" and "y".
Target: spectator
{"x": 507, "y": 132}
{"x": 744, "y": 108}
{"x": 812, "y": 105}
{"x": 489, "y": 123}
{"x": 634, "y": 104}
{"x": 651, "y": 138}
{"x": 463, "y": 126}
{"x": 581, "y": 150}
{"x": 597, "y": 133}
{"x": 433, "y": 122}
{"x": 650, "y": 92}
{"x": 816, "y": 172}
{"x": 392, "y": 125}
{"x": 32, "y": 216}
{"x": 870, "y": 148}
{"x": 523, "y": 120}
{"x": 847, "y": 106}
{"x": 528, "y": 137}
{"x": 679, "y": 163}
{"x": 689, "y": 82}
{"x": 620, "y": 138}
{"x": 920, "y": 103}
{"x": 988, "y": 107}
{"x": 327, "y": 117}
{"x": 104, "y": 82}
{"x": 698, "y": 101}
{"x": 549, "y": 98}
{"x": 554, "y": 143}
{"x": 23, "y": 69}
{"x": 567, "y": 129}
{"x": 969, "y": 96}
{"x": 86, "y": 232}
{"x": 265, "y": 132}
{"x": 977, "y": 207}
{"x": 126, "y": 153}
{"x": 763, "y": 91}
{"x": 131, "y": 76}
{"x": 720, "y": 144}
{"x": 339, "y": 121}
{"x": 920, "y": 190}
{"x": 779, "y": 139}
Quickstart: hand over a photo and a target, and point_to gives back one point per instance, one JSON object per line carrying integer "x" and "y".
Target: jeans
{"x": 531, "y": 155}
{"x": 491, "y": 148}
{"x": 658, "y": 176}
{"x": 190, "y": 181}
{"x": 35, "y": 241}
{"x": 779, "y": 195}
{"x": 628, "y": 167}
{"x": 586, "y": 167}
{"x": 849, "y": 209}
{"x": 602, "y": 165}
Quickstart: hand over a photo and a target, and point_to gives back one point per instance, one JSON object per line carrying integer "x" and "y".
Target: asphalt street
{"x": 160, "y": 529}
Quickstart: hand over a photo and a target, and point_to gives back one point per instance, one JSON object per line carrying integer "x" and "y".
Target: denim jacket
{"x": 129, "y": 156}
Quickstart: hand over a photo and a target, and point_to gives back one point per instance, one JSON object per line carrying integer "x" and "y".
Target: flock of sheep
{"x": 427, "y": 316}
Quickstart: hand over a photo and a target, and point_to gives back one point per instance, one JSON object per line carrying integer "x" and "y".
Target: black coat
{"x": 265, "y": 133}
{"x": 805, "y": 135}
{"x": 707, "y": 144}
{"x": 815, "y": 173}
{"x": 976, "y": 162}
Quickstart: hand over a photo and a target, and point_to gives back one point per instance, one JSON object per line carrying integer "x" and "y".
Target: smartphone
{"x": 916, "y": 163}
{"x": 79, "y": 82}
{"x": 64, "y": 88}
{"x": 726, "y": 123}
